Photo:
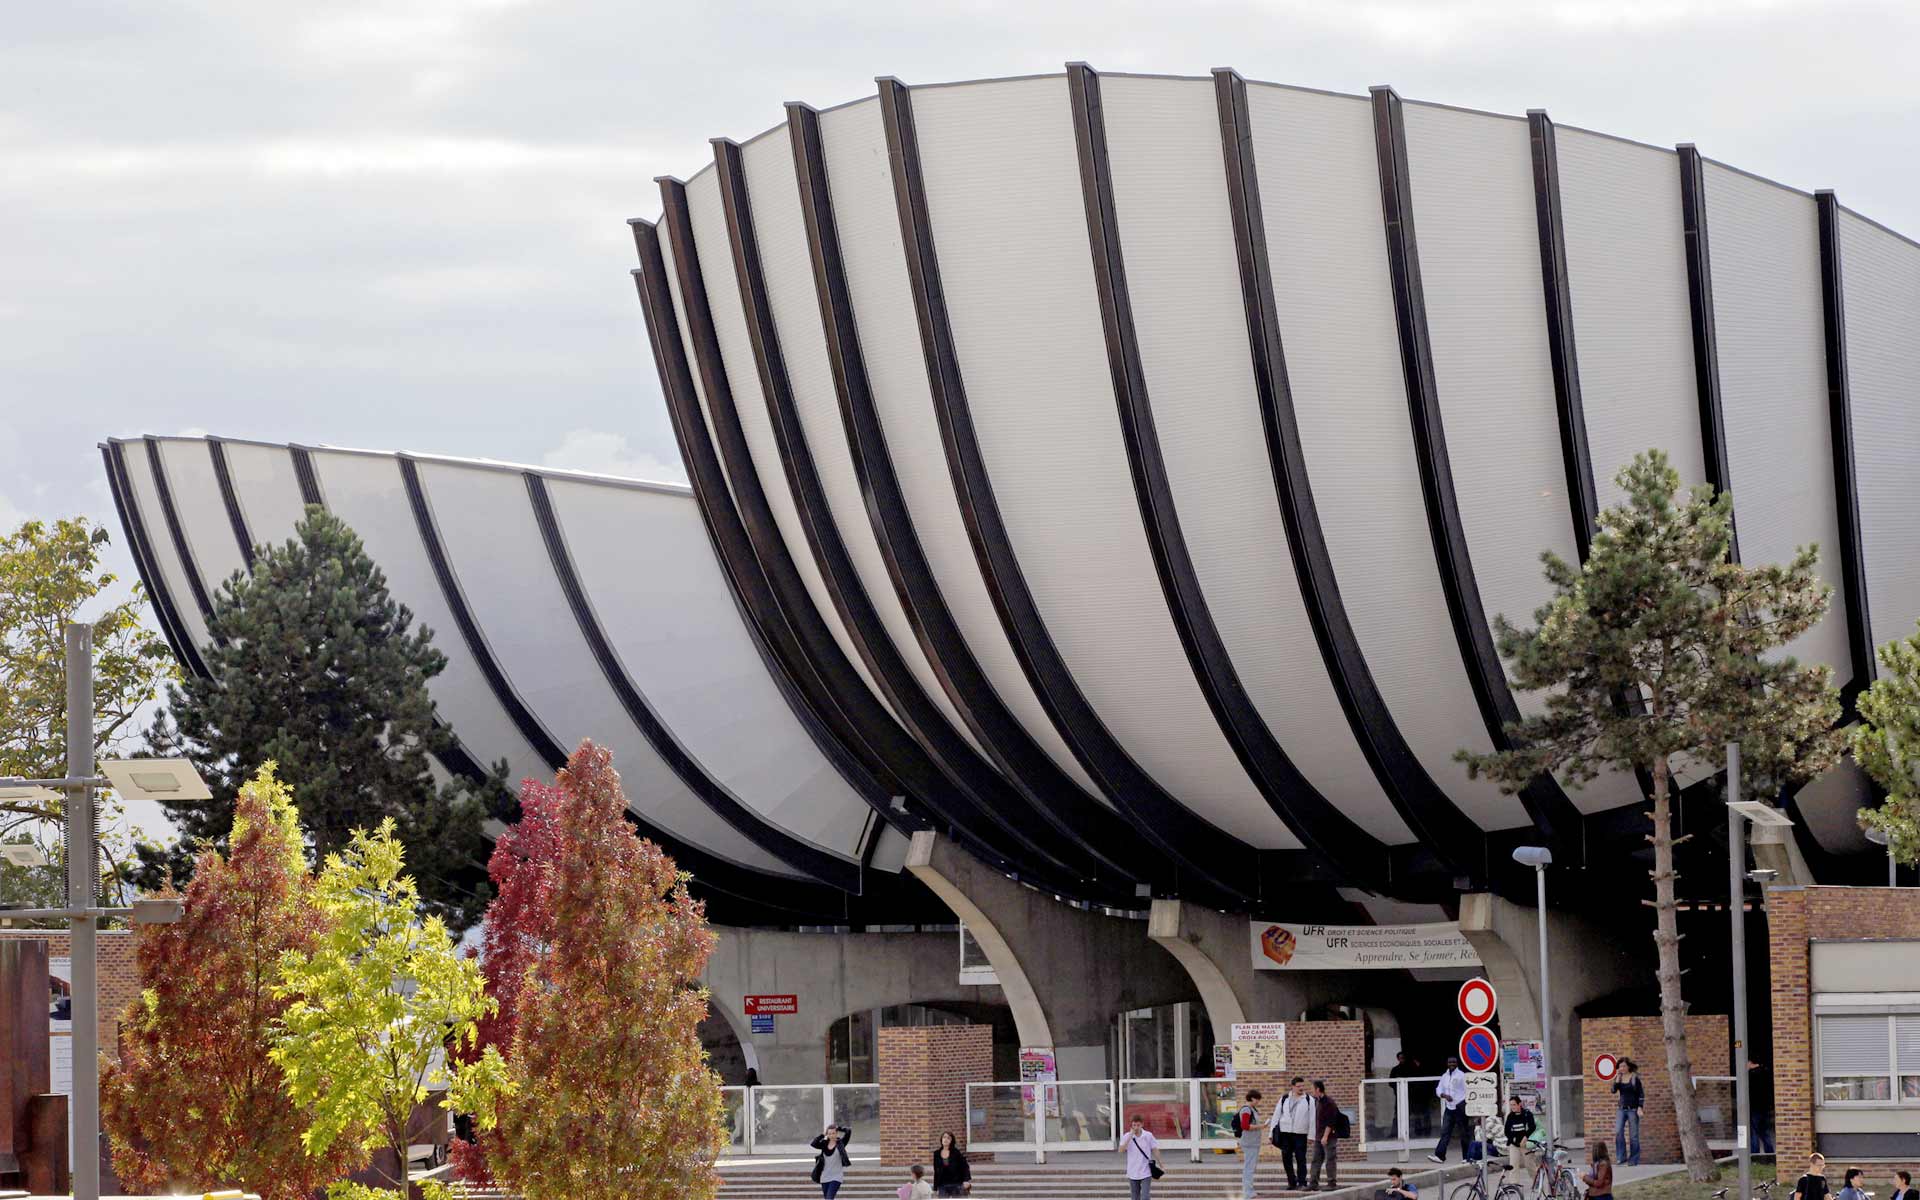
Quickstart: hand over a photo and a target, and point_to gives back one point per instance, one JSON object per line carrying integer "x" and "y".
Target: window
{"x": 1869, "y": 1058}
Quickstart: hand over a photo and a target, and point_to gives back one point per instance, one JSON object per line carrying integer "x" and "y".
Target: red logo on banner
{"x": 769, "y": 1006}
{"x": 1479, "y": 1049}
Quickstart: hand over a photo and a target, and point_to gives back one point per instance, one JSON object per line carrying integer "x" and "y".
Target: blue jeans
{"x": 1455, "y": 1119}
{"x": 830, "y": 1188}
{"x": 1626, "y": 1137}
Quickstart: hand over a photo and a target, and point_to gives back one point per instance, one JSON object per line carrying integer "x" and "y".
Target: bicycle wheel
{"x": 1565, "y": 1186}
{"x": 1472, "y": 1191}
{"x": 1510, "y": 1191}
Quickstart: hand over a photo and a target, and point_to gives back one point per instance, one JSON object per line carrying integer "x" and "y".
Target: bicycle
{"x": 1552, "y": 1178}
{"x": 1480, "y": 1189}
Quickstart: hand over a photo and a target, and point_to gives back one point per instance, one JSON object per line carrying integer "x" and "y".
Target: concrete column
{"x": 1066, "y": 972}
{"x": 833, "y": 976}
{"x": 1216, "y": 952}
{"x": 1587, "y": 963}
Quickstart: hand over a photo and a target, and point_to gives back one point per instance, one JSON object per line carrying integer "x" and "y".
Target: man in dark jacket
{"x": 1326, "y": 1138}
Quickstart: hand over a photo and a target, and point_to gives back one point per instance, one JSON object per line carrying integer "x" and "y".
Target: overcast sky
{"x": 400, "y": 224}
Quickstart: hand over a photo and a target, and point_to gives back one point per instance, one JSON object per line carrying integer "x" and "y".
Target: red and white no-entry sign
{"x": 1605, "y": 1067}
{"x": 1477, "y": 1001}
{"x": 1479, "y": 1049}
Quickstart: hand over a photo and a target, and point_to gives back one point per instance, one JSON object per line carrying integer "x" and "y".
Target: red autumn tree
{"x": 518, "y": 928}
{"x": 615, "y": 1100}
{"x": 194, "y": 1101}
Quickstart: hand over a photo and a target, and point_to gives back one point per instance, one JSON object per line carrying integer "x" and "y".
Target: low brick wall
{"x": 1796, "y": 917}
{"x": 923, "y": 1073}
{"x": 117, "y": 970}
{"x": 1641, "y": 1039}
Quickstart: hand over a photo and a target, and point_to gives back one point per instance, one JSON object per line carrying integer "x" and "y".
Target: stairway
{"x": 1074, "y": 1180}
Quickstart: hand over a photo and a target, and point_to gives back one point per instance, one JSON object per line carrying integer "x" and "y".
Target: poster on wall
{"x": 1222, "y": 1061}
{"x": 1038, "y": 1068}
{"x": 1520, "y": 1071}
{"x": 1283, "y": 947}
{"x": 60, "y": 1023}
{"x": 1260, "y": 1047}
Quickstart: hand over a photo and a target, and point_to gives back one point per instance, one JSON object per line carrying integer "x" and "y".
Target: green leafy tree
{"x": 602, "y": 953}
{"x": 377, "y": 1012}
{"x": 1886, "y": 744}
{"x": 48, "y": 574}
{"x": 315, "y": 666}
{"x": 1659, "y": 612}
{"x": 195, "y": 1101}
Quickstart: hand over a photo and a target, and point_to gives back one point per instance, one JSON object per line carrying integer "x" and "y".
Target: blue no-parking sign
{"x": 1479, "y": 1049}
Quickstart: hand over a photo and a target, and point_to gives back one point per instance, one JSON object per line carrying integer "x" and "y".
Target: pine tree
{"x": 607, "y": 1009}
{"x": 1661, "y": 647}
{"x": 1886, "y": 744}
{"x": 194, "y": 1101}
{"x": 315, "y": 666}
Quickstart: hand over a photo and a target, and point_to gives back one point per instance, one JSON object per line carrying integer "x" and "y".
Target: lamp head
{"x": 1533, "y": 856}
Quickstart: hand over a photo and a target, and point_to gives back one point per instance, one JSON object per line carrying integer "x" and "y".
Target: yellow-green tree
{"x": 377, "y": 1010}
{"x": 48, "y": 574}
{"x": 1886, "y": 744}
{"x": 195, "y": 1102}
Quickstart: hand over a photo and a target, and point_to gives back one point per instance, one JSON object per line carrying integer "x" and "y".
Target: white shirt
{"x": 1294, "y": 1114}
{"x": 1139, "y": 1149}
{"x": 1453, "y": 1088}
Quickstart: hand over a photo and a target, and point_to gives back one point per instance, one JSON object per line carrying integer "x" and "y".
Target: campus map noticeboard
{"x": 1260, "y": 1047}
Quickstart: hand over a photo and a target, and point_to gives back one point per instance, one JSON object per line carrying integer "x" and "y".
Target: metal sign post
{"x": 83, "y": 892}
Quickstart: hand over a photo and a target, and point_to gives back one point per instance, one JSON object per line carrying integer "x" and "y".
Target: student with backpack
{"x": 1329, "y": 1126}
{"x": 1248, "y": 1128}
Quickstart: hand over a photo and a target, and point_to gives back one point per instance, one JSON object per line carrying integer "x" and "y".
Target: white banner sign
{"x": 1359, "y": 947}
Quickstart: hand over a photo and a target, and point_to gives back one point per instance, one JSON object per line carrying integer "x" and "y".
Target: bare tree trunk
{"x": 1673, "y": 1007}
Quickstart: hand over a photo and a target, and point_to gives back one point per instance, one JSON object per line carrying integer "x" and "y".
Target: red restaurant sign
{"x": 767, "y": 1006}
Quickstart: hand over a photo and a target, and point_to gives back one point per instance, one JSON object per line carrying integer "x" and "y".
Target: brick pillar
{"x": 1332, "y": 1051}
{"x": 1793, "y": 1087}
{"x": 1641, "y": 1039}
{"x": 924, "y": 1072}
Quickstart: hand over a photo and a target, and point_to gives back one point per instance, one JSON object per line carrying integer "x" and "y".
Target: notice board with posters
{"x": 60, "y": 1024}
{"x": 1521, "y": 1072}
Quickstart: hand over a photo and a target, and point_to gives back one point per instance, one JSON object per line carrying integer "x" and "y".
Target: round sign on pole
{"x": 1605, "y": 1067}
{"x": 1479, "y": 1049}
{"x": 1477, "y": 1002}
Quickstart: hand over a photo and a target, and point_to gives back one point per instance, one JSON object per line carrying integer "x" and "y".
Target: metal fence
{"x": 784, "y": 1120}
{"x": 1019, "y": 1118}
{"x": 1182, "y": 1114}
{"x": 1714, "y": 1098}
{"x": 1406, "y": 1114}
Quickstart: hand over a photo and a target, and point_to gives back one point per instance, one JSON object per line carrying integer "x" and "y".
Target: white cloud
{"x": 601, "y": 453}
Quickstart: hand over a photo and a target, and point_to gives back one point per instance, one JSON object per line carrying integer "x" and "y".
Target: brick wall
{"x": 1334, "y": 1051}
{"x": 117, "y": 970}
{"x": 1795, "y": 917}
{"x": 923, "y": 1075}
{"x": 1641, "y": 1039}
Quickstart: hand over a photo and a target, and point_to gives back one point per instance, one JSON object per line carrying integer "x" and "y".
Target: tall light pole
{"x": 1760, "y": 814}
{"x": 1540, "y": 858}
{"x": 82, "y": 911}
{"x": 1879, "y": 838}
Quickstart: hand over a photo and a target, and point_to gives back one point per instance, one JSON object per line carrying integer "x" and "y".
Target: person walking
{"x": 1246, "y": 1124}
{"x": 831, "y": 1163}
{"x": 951, "y": 1174}
{"x": 1626, "y": 1122}
{"x": 1452, "y": 1090}
{"x": 1599, "y": 1174}
{"x": 1142, "y": 1150}
{"x": 1519, "y": 1127}
{"x": 1292, "y": 1129}
{"x": 1328, "y": 1123}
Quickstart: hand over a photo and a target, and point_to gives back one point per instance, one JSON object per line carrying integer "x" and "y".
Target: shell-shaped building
{"x": 1120, "y": 474}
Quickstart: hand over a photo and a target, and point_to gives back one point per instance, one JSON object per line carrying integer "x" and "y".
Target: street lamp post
{"x": 1879, "y": 838}
{"x": 82, "y": 911}
{"x": 1540, "y": 858}
{"x": 1759, "y": 813}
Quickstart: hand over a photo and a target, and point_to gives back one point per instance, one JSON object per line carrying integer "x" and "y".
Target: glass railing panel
{"x": 1000, "y": 1113}
{"x": 1079, "y": 1114}
{"x": 789, "y": 1116}
{"x": 1162, "y": 1104}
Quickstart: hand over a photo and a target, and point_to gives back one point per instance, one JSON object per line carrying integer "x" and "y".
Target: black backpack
{"x": 1341, "y": 1128}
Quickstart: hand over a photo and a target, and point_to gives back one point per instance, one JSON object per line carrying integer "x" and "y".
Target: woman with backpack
{"x": 831, "y": 1163}
{"x": 1247, "y": 1127}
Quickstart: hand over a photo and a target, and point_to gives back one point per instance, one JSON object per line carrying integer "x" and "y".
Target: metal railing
{"x": 1399, "y": 1114}
{"x": 1569, "y": 1109}
{"x": 1182, "y": 1114}
{"x": 1019, "y": 1118}
{"x": 785, "y": 1119}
